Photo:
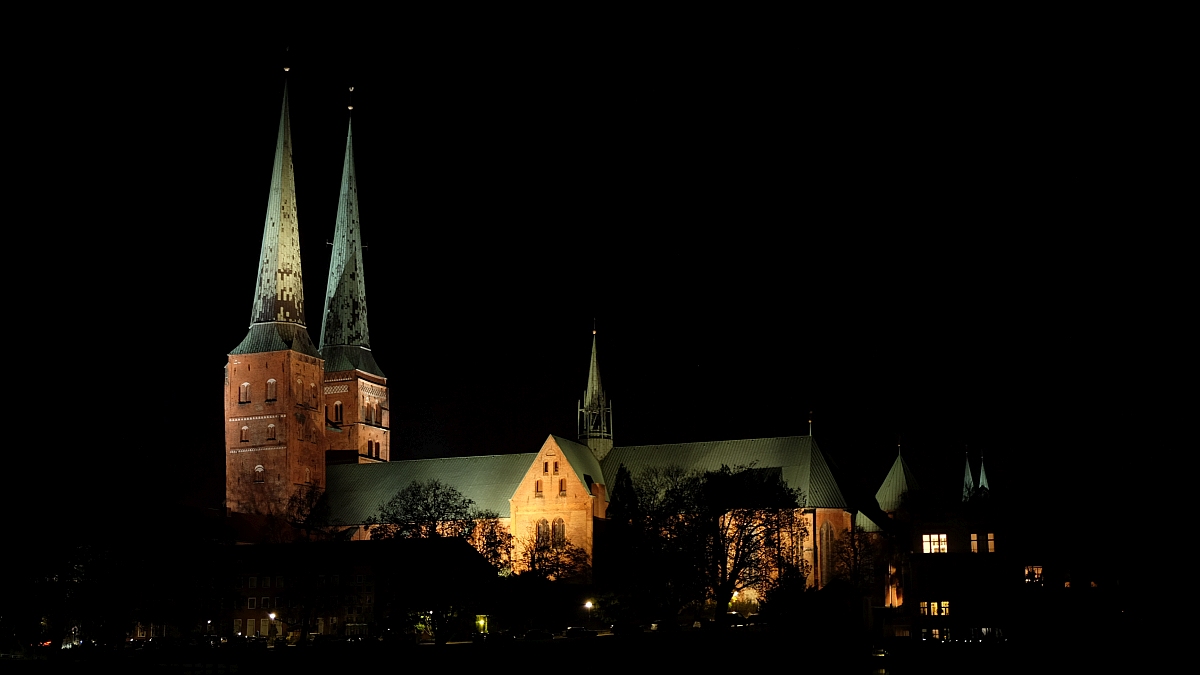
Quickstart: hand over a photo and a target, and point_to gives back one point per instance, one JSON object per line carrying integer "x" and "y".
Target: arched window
{"x": 312, "y": 394}
{"x": 270, "y": 432}
{"x": 337, "y": 411}
{"x": 244, "y": 393}
{"x": 543, "y": 533}
{"x": 560, "y": 533}
{"x": 245, "y": 434}
{"x": 562, "y": 487}
{"x": 271, "y": 389}
{"x": 826, "y": 561}
{"x": 260, "y": 474}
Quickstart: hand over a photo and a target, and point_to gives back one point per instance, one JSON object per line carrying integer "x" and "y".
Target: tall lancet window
{"x": 260, "y": 474}
{"x": 271, "y": 389}
{"x": 270, "y": 432}
{"x": 245, "y": 434}
{"x": 337, "y": 411}
{"x": 244, "y": 393}
{"x": 312, "y": 394}
{"x": 559, "y": 533}
{"x": 543, "y": 533}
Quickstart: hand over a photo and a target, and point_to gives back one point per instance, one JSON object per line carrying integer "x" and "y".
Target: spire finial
{"x": 350, "y": 99}
{"x": 810, "y": 423}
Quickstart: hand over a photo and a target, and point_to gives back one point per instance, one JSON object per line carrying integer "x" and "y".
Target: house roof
{"x": 900, "y": 479}
{"x": 356, "y": 491}
{"x": 800, "y": 461}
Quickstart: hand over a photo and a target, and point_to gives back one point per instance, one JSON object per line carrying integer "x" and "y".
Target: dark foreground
{"x": 678, "y": 654}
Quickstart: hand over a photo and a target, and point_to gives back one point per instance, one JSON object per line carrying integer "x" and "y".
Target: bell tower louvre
{"x": 274, "y": 429}
{"x": 355, "y": 389}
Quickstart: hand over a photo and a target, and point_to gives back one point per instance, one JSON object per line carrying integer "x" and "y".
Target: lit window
{"x": 271, "y": 389}
{"x": 991, "y": 542}
{"x": 1033, "y": 574}
{"x": 974, "y": 543}
{"x": 924, "y": 609}
{"x": 245, "y": 434}
{"x": 270, "y": 432}
{"x": 945, "y": 608}
{"x": 260, "y": 474}
{"x": 244, "y": 393}
{"x": 250, "y": 625}
{"x": 933, "y": 543}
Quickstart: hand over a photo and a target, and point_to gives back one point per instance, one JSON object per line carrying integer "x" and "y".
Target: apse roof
{"x": 800, "y": 461}
{"x": 900, "y": 479}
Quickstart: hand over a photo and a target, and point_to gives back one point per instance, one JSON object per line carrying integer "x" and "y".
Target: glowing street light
{"x": 588, "y": 604}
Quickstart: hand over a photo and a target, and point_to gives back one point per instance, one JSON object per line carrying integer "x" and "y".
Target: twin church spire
{"x": 277, "y": 316}
{"x": 277, "y": 319}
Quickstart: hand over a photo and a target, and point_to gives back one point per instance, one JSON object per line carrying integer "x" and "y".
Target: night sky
{"x": 952, "y": 252}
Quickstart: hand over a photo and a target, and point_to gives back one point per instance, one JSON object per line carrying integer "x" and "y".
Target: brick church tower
{"x": 355, "y": 392}
{"x": 275, "y": 427}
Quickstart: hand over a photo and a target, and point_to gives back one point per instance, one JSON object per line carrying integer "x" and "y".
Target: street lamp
{"x": 588, "y": 604}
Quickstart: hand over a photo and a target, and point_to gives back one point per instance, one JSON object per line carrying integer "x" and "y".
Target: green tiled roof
{"x": 899, "y": 480}
{"x": 800, "y": 461}
{"x": 350, "y": 357}
{"x": 355, "y": 491}
{"x": 277, "y": 337}
{"x": 581, "y": 459}
{"x": 864, "y": 524}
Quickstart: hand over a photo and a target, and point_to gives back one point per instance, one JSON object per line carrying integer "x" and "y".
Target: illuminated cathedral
{"x": 311, "y": 416}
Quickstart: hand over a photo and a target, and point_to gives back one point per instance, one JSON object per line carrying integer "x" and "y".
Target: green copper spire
{"x": 968, "y": 481}
{"x": 983, "y": 484}
{"x": 595, "y": 412}
{"x": 345, "y": 344}
{"x": 277, "y": 316}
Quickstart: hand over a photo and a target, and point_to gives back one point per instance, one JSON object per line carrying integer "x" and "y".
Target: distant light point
{"x": 593, "y": 331}
{"x": 351, "y": 88}
{"x": 285, "y": 69}
{"x": 349, "y": 107}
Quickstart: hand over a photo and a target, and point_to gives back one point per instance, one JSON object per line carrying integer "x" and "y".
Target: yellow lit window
{"x": 991, "y": 542}
{"x": 933, "y": 543}
{"x": 924, "y": 608}
{"x": 974, "y": 543}
{"x": 1033, "y": 574}
{"x": 945, "y": 608}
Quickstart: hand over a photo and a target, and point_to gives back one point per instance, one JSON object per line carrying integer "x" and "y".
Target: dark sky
{"x": 956, "y": 251}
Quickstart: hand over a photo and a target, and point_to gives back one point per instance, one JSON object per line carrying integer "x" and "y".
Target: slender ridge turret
{"x": 595, "y": 412}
